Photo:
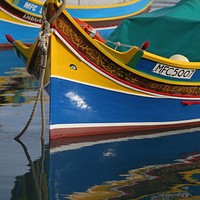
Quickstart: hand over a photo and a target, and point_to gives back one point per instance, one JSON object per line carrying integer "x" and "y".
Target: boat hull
{"x": 79, "y": 110}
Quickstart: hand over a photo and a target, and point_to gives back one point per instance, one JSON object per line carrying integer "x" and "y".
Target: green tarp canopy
{"x": 171, "y": 30}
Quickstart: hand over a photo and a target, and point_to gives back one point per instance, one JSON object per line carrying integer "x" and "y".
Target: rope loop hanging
{"x": 61, "y": 8}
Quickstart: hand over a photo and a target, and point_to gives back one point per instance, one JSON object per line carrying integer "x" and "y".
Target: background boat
{"x": 23, "y": 18}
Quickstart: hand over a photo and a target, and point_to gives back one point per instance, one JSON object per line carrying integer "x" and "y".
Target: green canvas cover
{"x": 171, "y": 30}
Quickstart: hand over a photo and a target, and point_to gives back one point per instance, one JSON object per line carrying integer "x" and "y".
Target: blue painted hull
{"x": 76, "y": 103}
{"x": 18, "y": 32}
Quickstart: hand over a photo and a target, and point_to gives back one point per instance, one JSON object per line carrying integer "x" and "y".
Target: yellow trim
{"x": 26, "y": 51}
{"x": 36, "y": 2}
{"x": 167, "y": 61}
{"x": 10, "y": 19}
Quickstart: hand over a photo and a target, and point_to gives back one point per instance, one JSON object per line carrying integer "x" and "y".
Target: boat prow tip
{"x": 145, "y": 45}
{"x": 9, "y": 38}
{"x": 23, "y": 50}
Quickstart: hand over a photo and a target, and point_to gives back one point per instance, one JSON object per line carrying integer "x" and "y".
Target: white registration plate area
{"x": 174, "y": 72}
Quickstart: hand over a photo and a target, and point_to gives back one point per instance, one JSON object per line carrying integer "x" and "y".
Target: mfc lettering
{"x": 30, "y": 6}
{"x": 175, "y": 72}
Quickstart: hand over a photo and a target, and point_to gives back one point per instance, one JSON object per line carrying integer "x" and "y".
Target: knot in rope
{"x": 118, "y": 44}
{"x": 43, "y": 43}
{"x": 43, "y": 38}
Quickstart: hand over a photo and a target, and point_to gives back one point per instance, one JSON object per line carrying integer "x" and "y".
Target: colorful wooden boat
{"x": 95, "y": 89}
{"x": 25, "y": 16}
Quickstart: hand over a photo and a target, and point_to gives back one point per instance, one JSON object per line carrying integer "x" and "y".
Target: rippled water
{"x": 17, "y": 92}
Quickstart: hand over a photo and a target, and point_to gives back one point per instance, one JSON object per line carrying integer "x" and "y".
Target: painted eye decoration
{"x": 72, "y": 66}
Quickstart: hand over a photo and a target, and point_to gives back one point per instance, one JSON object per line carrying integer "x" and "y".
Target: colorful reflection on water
{"x": 125, "y": 168}
{"x": 16, "y": 85}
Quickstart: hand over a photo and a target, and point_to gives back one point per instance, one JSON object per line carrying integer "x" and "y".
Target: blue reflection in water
{"x": 78, "y": 169}
{"x": 9, "y": 60}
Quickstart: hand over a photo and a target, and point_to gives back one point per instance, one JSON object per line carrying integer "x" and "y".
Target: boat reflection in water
{"x": 16, "y": 85}
{"x": 150, "y": 168}
{"x": 34, "y": 184}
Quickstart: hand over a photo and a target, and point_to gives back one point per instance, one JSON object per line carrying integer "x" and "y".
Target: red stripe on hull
{"x": 4, "y": 46}
{"x": 123, "y": 130}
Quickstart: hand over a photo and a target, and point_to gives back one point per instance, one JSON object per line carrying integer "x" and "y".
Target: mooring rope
{"x": 43, "y": 44}
{"x": 42, "y": 114}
